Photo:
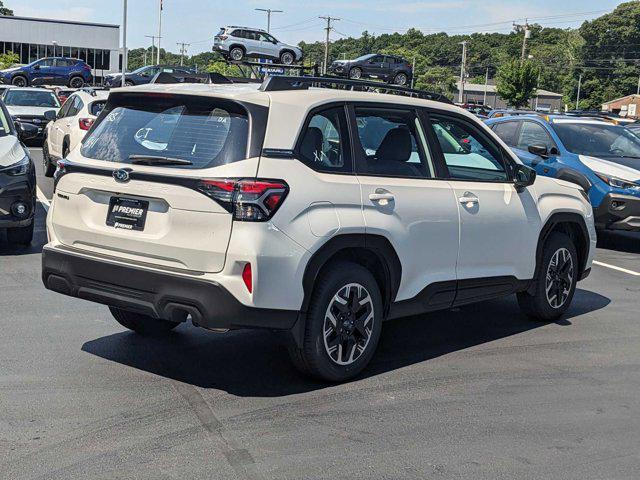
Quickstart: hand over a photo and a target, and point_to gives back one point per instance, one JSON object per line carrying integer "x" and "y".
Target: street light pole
{"x": 463, "y": 69}
{"x": 159, "y": 32}
{"x": 124, "y": 42}
{"x": 268, "y": 11}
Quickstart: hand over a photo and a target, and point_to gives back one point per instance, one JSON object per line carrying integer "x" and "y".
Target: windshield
{"x": 598, "y": 139}
{"x": 140, "y": 70}
{"x": 31, "y": 98}
{"x": 365, "y": 57}
{"x": 5, "y": 128}
{"x": 205, "y": 132}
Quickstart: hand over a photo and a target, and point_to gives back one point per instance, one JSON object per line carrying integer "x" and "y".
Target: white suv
{"x": 73, "y": 121}
{"x": 318, "y": 211}
{"x": 236, "y": 43}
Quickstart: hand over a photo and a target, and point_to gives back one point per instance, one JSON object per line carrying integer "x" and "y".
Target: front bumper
{"x": 161, "y": 295}
{"x": 17, "y": 189}
{"x": 618, "y": 212}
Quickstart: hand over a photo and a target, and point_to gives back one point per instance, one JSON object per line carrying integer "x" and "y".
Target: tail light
{"x": 222, "y": 37}
{"x": 85, "y": 123}
{"x": 86, "y": 67}
{"x": 247, "y": 199}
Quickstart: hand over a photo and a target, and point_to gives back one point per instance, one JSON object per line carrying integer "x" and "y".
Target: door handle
{"x": 468, "y": 199}
{"x": 382, "y": 197}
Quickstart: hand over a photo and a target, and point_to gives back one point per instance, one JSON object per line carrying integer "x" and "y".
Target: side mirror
{"x": 36, "y": 67}
{"x": 539, "y": 149}
{"x": 523, "y": 176}
{"x": 26, "y": 131}
{"x": 50, "y": 115}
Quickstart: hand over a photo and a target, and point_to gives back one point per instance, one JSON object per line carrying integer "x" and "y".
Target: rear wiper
{"x": 157, "y": 160}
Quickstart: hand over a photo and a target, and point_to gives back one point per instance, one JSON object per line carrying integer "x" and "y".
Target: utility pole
{"x": 124, "y": 42}
{"x": 578, "y": 96}
{"x": 486, "y": 84}
{"x": 463, "y": 70}
{"x": 413, "y": 71}
{"x": 183, "y": 50}
{"x": 328, "y": 28}
{"x": 159, "y": 32}
{"x": 527, "y": 35}
{"x": 638, "y": 91}
{"x": 153, "y": 45}
{"x": 268, "y": 11}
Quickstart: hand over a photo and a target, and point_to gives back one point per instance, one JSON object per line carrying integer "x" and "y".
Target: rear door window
{"x": 204, "y": 132}
{"x": 324, "y": 143}
{"x": 507, "y": 131}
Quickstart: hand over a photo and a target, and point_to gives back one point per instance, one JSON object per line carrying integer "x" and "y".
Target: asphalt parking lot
{"x": 478, "y": 392}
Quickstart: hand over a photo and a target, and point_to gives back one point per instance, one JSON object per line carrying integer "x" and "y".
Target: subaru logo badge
{"x": 121, "y": 175}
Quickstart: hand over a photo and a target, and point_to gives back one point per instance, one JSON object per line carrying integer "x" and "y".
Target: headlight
{"x": 618, "y": 182}
{"x": 18, "y": 168}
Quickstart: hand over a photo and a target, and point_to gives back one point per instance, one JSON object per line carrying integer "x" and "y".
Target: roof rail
{"x": 282, "y": 83}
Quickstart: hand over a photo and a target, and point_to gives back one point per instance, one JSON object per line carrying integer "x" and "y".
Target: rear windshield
{"x": 97, "y": 107}
{"x": 31, "y": 98}
{"x": 206, "y": 132}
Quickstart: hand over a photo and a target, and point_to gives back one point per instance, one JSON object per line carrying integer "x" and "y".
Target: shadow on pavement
{"x": 628, "y": 242}
{"x": 39, "y": 238}
{"x": 254, "y": 363}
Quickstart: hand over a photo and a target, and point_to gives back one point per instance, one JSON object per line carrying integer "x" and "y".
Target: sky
{"x": 196, "y": 21}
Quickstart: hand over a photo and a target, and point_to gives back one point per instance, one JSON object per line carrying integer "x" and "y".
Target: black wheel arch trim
{"x": 345, "y": 244}
{"x": 550, "y": 226}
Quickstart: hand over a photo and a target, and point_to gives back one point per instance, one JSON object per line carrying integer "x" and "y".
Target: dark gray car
{"x": 390, "y": 68}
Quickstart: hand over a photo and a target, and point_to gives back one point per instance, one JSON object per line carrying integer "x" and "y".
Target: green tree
{"x": 4, "y": 10}
{"x": 8, "y": 59}
{"x": 437, "y": 79}
{"x": 516, "y": 82}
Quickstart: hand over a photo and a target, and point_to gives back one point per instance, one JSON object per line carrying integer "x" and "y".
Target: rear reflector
{"x": 247, "y": 277}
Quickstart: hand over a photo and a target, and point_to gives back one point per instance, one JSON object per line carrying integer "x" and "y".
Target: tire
{"x": 236, "y": 54}
{"x": 128, "y": 83}
{"x": 48, "y": 167}
{"x": 142, "y": 324}
{"x": 559, "y": 268}
{"x": 20, "y": 235}
{"x": 401, "y": 79}
{"x": 287, "y": 57}
{"x": 335, "y": 357}
{"x": 76, "y": 82}
{"x": 20, "y": 81}
{"x": 355, "y": 73}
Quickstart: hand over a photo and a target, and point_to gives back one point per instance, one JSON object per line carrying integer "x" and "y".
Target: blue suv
{"x": 598, "y": 154}
{"x": 71, "y": 72}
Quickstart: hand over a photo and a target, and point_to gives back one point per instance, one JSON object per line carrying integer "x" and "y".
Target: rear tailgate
{"x": 132, "y": 191}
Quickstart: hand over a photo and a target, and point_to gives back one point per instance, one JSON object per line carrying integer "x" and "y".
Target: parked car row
{"x": 70, "y": 72}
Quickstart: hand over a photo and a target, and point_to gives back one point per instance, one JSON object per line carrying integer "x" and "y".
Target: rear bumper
{"x": 157, "y": 294}
{"x": 618, "y": 212}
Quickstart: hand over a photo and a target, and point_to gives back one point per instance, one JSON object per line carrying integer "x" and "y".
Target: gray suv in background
{"x": 236, "y": 43}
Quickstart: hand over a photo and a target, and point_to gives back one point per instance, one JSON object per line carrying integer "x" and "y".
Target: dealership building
{"x": 97, "y": 44}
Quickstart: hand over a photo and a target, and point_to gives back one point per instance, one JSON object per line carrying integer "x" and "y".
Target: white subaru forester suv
{"x": 317, "y": 211}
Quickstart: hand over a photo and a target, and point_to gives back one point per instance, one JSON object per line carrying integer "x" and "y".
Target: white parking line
{"x": 42, "y": 199}
{"x": 613, "y": 267}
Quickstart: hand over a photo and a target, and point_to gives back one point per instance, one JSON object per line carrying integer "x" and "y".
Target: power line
{"x": 183, "y": 50}
{"x": 268, "y": 11}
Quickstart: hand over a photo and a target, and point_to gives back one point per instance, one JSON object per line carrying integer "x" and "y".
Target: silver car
{"x": 236, "y": 43}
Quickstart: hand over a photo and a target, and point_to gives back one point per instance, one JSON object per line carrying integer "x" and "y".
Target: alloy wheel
{"x": 348, "y": 324}
{"x": 355, "y": 74}
{"x": 20, "y": 82}
{"x": 559, "y": 279}
{"x": 236, "y": 54}
{"x": 286, "y": 58}
{"x": 401, "y": 79}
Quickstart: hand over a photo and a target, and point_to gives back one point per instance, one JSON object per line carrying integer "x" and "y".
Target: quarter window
{"x": 392, "y": 144}
{"x": 468, "y": 153}
{"x": 323, "y": 146}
